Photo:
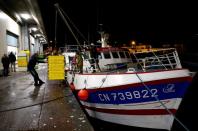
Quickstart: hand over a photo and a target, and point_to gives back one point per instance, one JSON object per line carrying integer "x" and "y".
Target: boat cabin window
{"x": 127, "y": 54}
{"x": 122, "y": 55}
{"x": 115, "y": 54}
{"x": 106, "y": 55}
{"x": 99, "y": 56}
{"x": 85, "y": 55}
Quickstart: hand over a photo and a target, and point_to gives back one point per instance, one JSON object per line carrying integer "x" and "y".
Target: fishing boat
{"x": 144, "y": 92}
{"x": 130, "y": 88}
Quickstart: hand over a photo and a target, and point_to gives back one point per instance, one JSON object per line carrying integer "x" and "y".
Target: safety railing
{"x": 165, "y": 61}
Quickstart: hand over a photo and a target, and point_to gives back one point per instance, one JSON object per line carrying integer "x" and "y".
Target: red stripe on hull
{"x": 155, "y": 82}
{"x": 132, "y": 112}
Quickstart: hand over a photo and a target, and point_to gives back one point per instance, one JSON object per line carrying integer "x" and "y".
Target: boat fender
{"x": 83, "y": 94}
{"x": 72, "y": 87}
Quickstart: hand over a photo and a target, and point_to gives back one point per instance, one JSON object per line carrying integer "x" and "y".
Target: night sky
{"x": 145, "y": 22}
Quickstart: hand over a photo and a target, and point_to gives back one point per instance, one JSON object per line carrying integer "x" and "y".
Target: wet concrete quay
{"x": 50, "y": 107}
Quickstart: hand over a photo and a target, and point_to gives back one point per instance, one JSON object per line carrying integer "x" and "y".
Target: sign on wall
{"x": 22, "y": 60}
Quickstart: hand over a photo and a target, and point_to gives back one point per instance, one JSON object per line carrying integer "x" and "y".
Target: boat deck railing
{"x": 70, "y": 48}
{"x": 164, "y": 61}
{"x": 152, "y": 61}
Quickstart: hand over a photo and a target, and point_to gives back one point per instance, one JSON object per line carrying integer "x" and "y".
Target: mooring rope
{"x": 162, "y": 103}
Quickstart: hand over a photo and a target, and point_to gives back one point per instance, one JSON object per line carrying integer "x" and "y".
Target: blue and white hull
{"x": 122, "y": 98}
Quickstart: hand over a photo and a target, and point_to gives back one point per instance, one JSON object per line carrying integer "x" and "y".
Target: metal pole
{"x": 67, "y": 24}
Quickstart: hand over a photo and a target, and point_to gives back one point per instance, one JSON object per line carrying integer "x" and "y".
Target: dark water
{"x": 187, "y": 112}
{"x": 104, "y": 126}
{"x": 190, "y": 61}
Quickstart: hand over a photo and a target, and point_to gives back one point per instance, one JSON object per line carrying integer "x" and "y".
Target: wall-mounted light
{"x": 25, "y": 16}
{"x": 34, "y": 28}
{"x": 38, "y": 35}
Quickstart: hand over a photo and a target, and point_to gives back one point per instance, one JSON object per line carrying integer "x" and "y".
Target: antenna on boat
{"x": 103, "y": 36}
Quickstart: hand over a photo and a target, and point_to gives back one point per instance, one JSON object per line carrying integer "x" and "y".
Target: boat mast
{"x": 67, "y": 24}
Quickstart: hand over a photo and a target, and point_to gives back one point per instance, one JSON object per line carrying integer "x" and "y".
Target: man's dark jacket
{"x": 32, "y": 62}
